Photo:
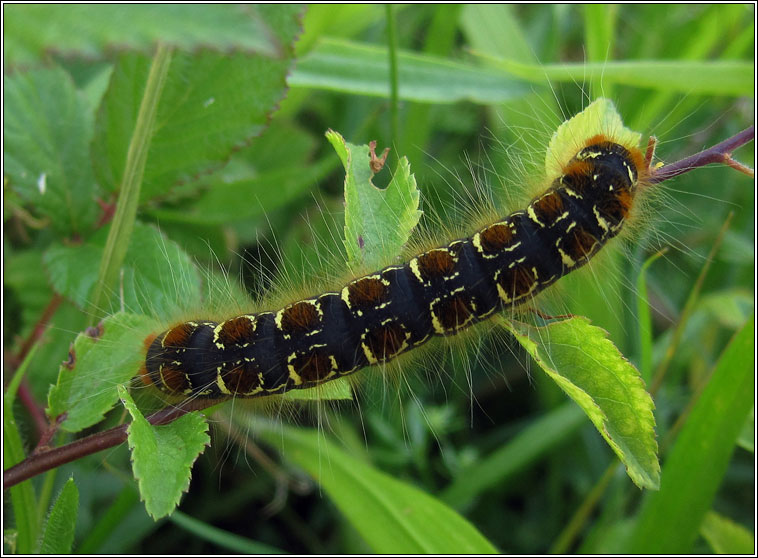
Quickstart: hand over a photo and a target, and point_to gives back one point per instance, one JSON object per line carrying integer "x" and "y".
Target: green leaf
{"x": 644, "y": 321}
{"x": 94, "y": 31}
{"x": 731, "y": 307}
{"x": 211, "y": 105}
{"x": 99, "y": 360}
{"x": 23, "y": 499}
{"x": 162, "y": 456}
{"x": 47, "y": 130}
{"x": 670, "y": 519}
{"x": 746, "y": 439}
{"x": 377, "y": 222}
{"x": 361, "y": 69}
{"x": 222, "y": 538}
{"x": 110, "y": 520}
{"x": 393, "y": 517}
{"x": 334, "y": 390}
{"x": 722, "y": 77}
{"x": 582, "y": 360}
{"x": 157, "y": 273}
{"x": 220, "y": 204}
{"x": 58, "y": 537}
{"x": 725, "y": 536}
{"x": 519, "y": 453}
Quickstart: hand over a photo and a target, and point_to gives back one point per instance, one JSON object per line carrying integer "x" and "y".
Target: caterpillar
{"x": 440, "y": 292}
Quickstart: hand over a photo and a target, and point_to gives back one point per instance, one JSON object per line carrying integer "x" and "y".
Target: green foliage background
{"x": 479, "y": 87}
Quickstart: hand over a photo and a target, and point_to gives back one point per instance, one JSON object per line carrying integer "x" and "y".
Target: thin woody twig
{"x": 50, "y": 459}
{"x": 46, "y": 460}
{"x": 719, "y": 153}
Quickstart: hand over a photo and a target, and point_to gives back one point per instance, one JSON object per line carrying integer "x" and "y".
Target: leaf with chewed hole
{"x": 392, "y": 516}
{"x": 162, "y": 456}
{"x": 377, "y": 222}
{"x": 99, "y": 359}
{"x": 581, "y": 359}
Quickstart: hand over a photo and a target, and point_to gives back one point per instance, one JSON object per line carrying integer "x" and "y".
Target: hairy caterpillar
{"x": 375, "y": 318}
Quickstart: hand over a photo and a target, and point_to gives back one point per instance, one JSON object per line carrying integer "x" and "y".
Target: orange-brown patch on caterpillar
{"x": 579, "y": 243}
{"x": 241, "y": 378}
{"x": 179, "y": 336}
{"x": 453, "y": 312}
{"x": 619, "y": 206}
{"x": 367, "y": 292}
{"x": 577, "y": 169}
{"x": 549, "y": 207}
{"x": 516, "y": 282}
{"x": 495, "y": 237}
{"x": 143, "y": 373}
{"x": 385, "y": 341}
{"x": 436, "y": 263}
{"x": 144, "y": 376}
{"x": 148, "y": 341}
{"x": 312, "y": 366}
{"x": 301, "y": 317}
{"x": 236, "y": 331}
{"x": 597, "y": 139}
{"x": 174, "y": 379}
{"x": 577, "y": 175}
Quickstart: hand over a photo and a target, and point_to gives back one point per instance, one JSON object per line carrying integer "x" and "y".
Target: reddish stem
{"x": 46, "y": 460}
{"x": 719, "y": 153}
{"x": 38, "y": 329}
{"x": 34, "y": 409}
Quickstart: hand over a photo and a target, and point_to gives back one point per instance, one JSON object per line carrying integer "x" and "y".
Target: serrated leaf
{"x": 94, "y": 31}
{"x": 162, "y": 456}
{"x": 361, "y": 69}
{"x": 725, "y": 536}
{"x": 377, "y": 222}
{"x": 99, "y": 360}
{"x": 392, "y": 516}
{"x": 47, "y": 129}
{"x": 58, "y": 537}
{"x": 157, "y": 273}
{"x": 582, "y": 360}
{"x": 211, "y": 104}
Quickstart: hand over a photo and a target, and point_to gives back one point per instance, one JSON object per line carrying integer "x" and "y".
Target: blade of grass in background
{"x": 670, "y": 519}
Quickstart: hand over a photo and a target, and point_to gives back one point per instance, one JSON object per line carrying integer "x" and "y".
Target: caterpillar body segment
{"x": 375, "y": 318}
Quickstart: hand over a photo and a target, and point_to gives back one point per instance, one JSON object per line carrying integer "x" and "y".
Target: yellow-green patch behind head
{"x": 600, "y": 117}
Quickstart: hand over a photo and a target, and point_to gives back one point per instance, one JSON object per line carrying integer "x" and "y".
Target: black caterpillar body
{"x": 375, "y": 318}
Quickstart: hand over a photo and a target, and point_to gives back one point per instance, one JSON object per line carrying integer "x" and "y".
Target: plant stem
{"x": 719, "y": 153}
{"x": 129, "y": 194}
{"x": 392, "y": 50}
{"x": 44, "y": 461}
